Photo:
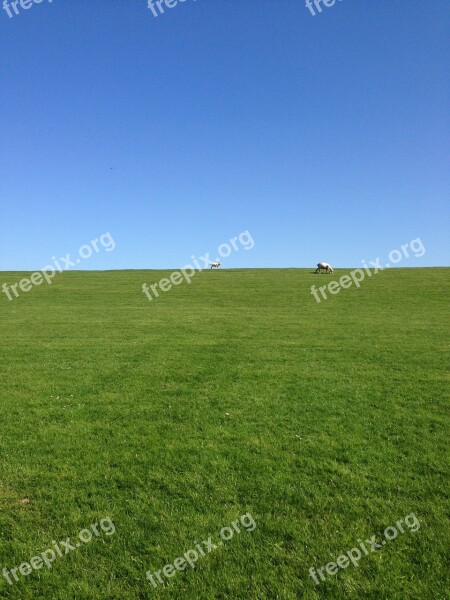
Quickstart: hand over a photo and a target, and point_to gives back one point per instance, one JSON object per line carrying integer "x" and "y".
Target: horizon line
{"x": 207, "y": 269}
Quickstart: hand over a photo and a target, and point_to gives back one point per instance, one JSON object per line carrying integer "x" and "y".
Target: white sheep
{"x": 323, "y": 265}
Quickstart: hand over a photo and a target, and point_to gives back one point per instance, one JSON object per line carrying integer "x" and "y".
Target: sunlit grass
{"x": 237, "y": 393}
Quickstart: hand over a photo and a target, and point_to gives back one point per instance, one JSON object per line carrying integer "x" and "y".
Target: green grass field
{"x": 235, "y": 394}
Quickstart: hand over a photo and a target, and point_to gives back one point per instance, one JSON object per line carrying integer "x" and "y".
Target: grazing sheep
{"x": 323, "y": 265}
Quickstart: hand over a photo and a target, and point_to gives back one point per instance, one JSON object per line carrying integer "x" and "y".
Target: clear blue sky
{"x": 326, "y": 137}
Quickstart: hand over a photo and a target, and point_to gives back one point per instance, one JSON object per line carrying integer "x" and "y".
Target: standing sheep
{"x": 323, "y": 265}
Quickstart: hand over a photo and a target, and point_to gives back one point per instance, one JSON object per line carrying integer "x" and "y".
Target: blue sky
{"x": 325, "y": 137}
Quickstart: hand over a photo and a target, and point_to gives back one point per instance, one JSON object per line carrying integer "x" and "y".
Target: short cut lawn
{"x": 236, "y": 394}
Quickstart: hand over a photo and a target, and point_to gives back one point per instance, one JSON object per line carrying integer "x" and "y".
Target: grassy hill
{"x": 236, "y": 394}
